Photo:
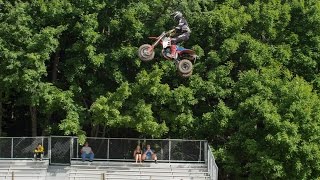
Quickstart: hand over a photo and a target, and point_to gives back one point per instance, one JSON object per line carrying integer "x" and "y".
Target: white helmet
{"x": 177, "y": 15}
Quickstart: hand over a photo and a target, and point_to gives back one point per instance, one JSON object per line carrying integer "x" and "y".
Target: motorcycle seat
{"x": 182, "y": 50}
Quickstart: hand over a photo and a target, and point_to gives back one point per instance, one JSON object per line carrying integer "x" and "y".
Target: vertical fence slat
{"x": 11, "y": 147}
{"x": 206, "y": 152}
{"x": 108, "y": 149}
{"x": 71, "y": 147}
{"x": 169, "y": 150}
{"x": 49, "y": 149}
{"x": 77, "y": 150}
{"x": 200, "y": 143}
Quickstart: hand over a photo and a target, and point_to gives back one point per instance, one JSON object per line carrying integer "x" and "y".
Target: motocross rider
{"x": 182, "y": 32}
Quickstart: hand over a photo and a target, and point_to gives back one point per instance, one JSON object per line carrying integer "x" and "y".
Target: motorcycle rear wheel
{"x": 185, "y": 75}
{"x": 144, "y": 54}
{"x": 185, "y": 66}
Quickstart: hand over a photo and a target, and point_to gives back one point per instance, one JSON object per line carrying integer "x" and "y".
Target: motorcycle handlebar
{"x": 170, "y": 31}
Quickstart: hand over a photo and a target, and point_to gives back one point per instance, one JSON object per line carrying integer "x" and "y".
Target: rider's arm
{"x": 182, "y": 22}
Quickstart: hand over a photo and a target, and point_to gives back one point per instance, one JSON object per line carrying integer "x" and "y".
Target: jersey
{"x": 86, "y": 150}
{"x": 39, "y": 150}
{"x": 183, "y": 26}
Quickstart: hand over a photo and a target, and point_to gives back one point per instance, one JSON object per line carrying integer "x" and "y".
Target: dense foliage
{"x": 70, "y": 67}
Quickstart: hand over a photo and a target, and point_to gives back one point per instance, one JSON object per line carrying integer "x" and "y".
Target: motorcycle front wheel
{"x": 145, "y": 52}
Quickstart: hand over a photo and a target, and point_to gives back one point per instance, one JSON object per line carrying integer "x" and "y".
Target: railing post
{"x": 161, "y": 150}
{"x": 206, "y": 156}
{"x": 199, "y": 159}
{"x": 71, "y": 148}
{"x": 108, "y": 149}
{"x": 209, "y": 163}
{"x": 77, "y": 148}
{"x": 42, "y": 145}
{"x": 210, "y": 167}
{"x": 49, "y": 149}
{"x": 11, "y": 147}
{"x": 169, "y": 150}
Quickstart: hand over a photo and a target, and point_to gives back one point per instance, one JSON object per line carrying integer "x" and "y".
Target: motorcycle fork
{"x": 150, "y": 49}
{"x": 154, "y": 45}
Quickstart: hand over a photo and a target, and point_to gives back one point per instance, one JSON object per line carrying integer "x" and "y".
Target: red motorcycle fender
{"x": 187, "y": 51}
{"x": 191, "y": 53}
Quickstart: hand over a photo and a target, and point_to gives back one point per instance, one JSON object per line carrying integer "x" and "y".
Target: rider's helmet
{"x": 177, "y": 15}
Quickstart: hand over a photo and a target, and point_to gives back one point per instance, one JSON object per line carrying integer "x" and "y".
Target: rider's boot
{"x": 173, "y": 50}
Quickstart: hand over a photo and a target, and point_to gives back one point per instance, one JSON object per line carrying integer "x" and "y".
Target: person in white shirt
{"x": 86, "y": 152}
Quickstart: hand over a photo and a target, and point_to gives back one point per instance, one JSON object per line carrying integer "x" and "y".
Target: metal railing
{"x": 211, "y": 163}
{"x": 167, "y": 150}
{"x": 21, "y": 147}
{"x": 68, "y": 148}
{"x": 63, "y": 149}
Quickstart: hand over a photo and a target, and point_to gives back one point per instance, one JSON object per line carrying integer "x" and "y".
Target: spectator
{"x": 149, "y": 154}
{"x": 86, "y": 152}
{"x": 137, "y": 154}
{"x": 38, "y": 152}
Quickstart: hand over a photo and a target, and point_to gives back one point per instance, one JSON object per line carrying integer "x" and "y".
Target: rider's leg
{"x": 173, "y": 47}
{"x": 174, "y": 41}
{"x": 173, "y": 50}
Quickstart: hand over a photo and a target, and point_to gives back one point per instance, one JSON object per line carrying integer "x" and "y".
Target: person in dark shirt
{"x": 137, "y": 154}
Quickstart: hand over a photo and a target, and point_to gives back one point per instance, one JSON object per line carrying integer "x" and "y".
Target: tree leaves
{"x": 253, "y": 93}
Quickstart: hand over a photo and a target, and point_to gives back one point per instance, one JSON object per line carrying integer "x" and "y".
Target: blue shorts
{"x": 149, "y": 157}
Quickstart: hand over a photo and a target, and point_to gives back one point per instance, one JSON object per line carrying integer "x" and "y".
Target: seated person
{"x": 149, "y": 154}
{"x": 137, "y": 154}
{"x": 86, "y": 152}
{"x": 38, "y": 152}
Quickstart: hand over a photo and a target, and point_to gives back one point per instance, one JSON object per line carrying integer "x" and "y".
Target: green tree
{"x": 71, "y": 67}
{"x": 277, "y": 127}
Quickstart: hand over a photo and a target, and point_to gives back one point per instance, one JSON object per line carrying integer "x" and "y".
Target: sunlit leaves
{"x": 253, "y": 93}
{"x": 277, "y": 114}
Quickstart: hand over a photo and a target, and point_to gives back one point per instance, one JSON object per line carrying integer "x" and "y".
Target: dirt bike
{"x": 183, "y": 57}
